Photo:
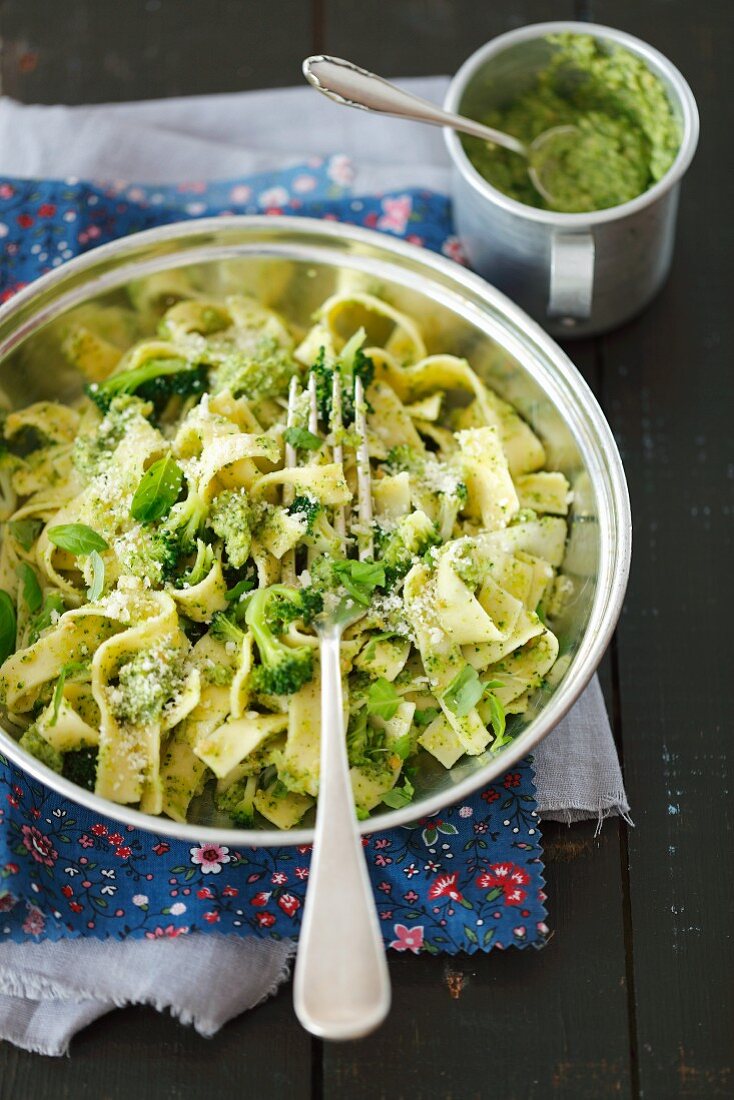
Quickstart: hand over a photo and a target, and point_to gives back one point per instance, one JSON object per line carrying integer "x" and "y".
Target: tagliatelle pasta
{"x": 163, "y": 565}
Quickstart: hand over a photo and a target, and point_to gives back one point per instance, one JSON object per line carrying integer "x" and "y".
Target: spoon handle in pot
{"x": 341, "y": 985}
{"x": 354, "y": 87}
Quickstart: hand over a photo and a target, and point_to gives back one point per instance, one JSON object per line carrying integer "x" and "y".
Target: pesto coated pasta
{"x": 162, "y": 564}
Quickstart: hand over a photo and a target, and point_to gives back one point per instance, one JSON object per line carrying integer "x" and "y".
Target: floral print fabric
{"x": 469, "y": 878}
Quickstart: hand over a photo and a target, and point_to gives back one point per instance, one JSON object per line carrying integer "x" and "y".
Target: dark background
{"x": 632, "y": 995}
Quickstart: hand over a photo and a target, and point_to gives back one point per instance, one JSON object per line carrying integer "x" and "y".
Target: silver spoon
{"x": 346, "y": 83}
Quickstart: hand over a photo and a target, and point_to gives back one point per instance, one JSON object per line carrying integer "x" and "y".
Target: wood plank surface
{"x": 425, "y": 37}
{"x": 668, "y": 393}
{"x": 99, "y": 51}
{"x": 140, "y": 1054}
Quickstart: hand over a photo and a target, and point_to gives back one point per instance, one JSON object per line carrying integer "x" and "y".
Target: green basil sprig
{"x": 158, "y": 491}
{"x": 30, "y": 588}
{"x": 464, "y": 692}
{"x": 25, "y": 531}
{"x": 303, "y": 438}
{"x": 382, "y": 699}
{"x": 95, "y": 589}
{"x": 8, "y": 626}
{"x": 76, "y": 538}
{"x": 360, "y": 578}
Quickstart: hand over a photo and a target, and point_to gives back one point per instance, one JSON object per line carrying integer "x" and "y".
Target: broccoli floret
{"x": 80, "y": 766}
{"x": 226, "y": 627}
{"x": 201, "y": 567}
{"x": 319, "y": 532}
{"x": 308, "y": 507}
{"x": 146, "y": 683}
{"x": 264, "y": 373}
{"x": 231, "y": 519}
{"x": 351, "y": 364}
{"x": 298, "y": 605}
{"x": 284, "y": 669}
{"x": 410, "y": 539}
{"x": 239, "y": 801}
{"x": 155, "y": 380}
{"x": 37, "y": 745}
{"x": 185, "y": 522}
{"x": 149, "y": 553}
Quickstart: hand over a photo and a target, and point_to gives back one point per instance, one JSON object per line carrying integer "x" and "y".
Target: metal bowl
{"x": 293, "y": 264}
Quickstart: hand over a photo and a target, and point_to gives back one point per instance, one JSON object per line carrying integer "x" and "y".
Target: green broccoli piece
{"x": 308, "y": 507}
{"x": 231, "y": 519}
{"x": 37, "y": 745}
{"x": 284, "y": 669}
{"x": 404, "y": 458}
{"x": 145, "y": 684}
{"x": 238, "y": 801}
{"x": 80, "y": 766}
{"x": 185, "y": 522}
{"x": 319, "y": 532}
{"x": 410, "y": 539}
{"x": 264, "y": 373}
{"x": 155, "y": 380}
{"x": 226, "y": 628}
{"x": 201, "y": 567}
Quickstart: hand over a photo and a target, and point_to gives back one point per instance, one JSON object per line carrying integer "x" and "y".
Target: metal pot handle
{"x": 571, "y": 276}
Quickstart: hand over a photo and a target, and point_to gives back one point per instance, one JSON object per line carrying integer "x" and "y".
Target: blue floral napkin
{"x": 469, "y": 878}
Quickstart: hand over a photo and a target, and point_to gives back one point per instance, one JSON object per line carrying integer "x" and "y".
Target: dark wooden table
{"x": 632, "y": 996}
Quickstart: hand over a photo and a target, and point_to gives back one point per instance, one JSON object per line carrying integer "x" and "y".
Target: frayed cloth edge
{"x": 569, "y": 815}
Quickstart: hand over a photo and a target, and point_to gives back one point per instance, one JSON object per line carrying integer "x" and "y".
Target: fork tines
{"x": 333, "y": 432}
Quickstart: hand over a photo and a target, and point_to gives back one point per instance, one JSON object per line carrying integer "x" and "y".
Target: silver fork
{"x": 341, "y": 984}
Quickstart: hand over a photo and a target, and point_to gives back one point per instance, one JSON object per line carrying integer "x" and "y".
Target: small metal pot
{"x": 577, "y": 274}
{"x": 293, "y": 265}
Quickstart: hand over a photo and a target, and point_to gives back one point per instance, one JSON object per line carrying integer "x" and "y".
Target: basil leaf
{"x": 403, "y": 746}
{"x": 382, "y": 699}
{"x": 301, "y": 437}
{"x": 25, "y": 531}
{"x": 8, "y": 625}
{"x": 423, "y": 718}
{"x": 400, "y": 796}
{"x": 76, "y": 538}
{"x": 95, "y": 589}
{"x": 52, "y": 605}
{"x": 360, "y": 578}
{"x": 158, "y": 491}
{"x": 30, "y": 588}
{"x": 498, "y": 720}
{"x": 464, "y": 692}
{"x": 541, "y": 614}
{"x": 73, "y": 666}
{"x": 239, "y": 589}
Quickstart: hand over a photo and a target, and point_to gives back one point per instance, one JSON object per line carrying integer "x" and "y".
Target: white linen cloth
{"x": 49, "y": 991}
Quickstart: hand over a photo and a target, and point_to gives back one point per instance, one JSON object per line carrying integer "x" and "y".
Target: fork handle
{"x": 341, "y": 985}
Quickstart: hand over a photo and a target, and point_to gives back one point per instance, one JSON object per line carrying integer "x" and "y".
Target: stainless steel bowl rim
{"x": 518, "y": 330}
{"x": 657, "y": 60}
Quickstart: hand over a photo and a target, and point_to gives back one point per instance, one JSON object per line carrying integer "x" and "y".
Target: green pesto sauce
{"x": 627, "y": 139}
